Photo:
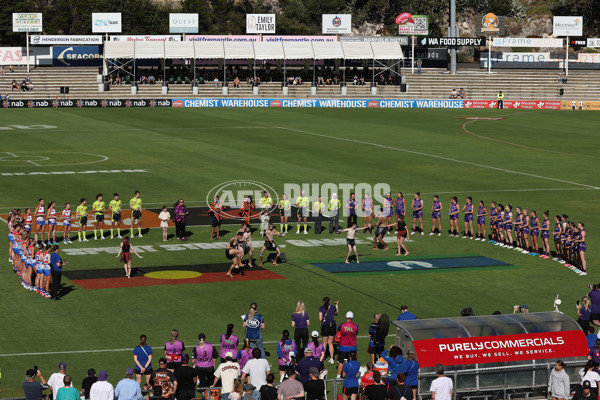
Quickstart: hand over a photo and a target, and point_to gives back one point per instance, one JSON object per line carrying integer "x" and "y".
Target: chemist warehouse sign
{"x": 493, "y": 349}
{"x": 76, "y": 56}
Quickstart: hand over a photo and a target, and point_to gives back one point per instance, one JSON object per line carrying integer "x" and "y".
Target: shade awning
{"x": 268, "y": 51}
{"x": 298, "y": 50}
{"x": 327, "y": 50}
{"x": 357, "y": 50}
{"x": 119, "y": 49}
{"x": 387, "y": 50}
{"x": 207, "y": 50}
{"x": 179, "y": 49}
{"x": 239, "y": 50}
{"x": 150, "y": 50}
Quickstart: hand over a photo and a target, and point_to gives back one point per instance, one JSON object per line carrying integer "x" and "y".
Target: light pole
{"x": 453, "y": 32}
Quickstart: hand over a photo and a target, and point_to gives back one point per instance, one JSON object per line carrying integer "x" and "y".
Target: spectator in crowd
{"x": 87, "y": 382}
{"x": 591, "y": 336}
{"x": 584, "y": 313}
{"x": 405, "y": 315}
{"x": 142, "y": 357}
{"x": 236, "y": 82}
{"x": 56, "y": 380}
{"x": 314, "y": 387}
{"x": 256, "y": 369}
{"x": 254, "y": 323}
{"x": 461, "y": 93}
{"x": 594, "y": 353}
{"x": 238, "y": 391}
{"x": 559, "y": 385}
{"x": 419, "y": 65}
{"x": 216, "y": 81}
{"x": 290, "y": 389}
{"x": 594, "y": 295}
{"x": 2, "y": 70}
{"x": 181, "y": 213}
{"x": 412, "y": 372}
{"x": 522, "y": 309}
{"x": 367, "y": 378}
{"x": 57, "y": 265}
{"x": 228, "y": 372}
{"x": 34, "y": 390}
{"x": 143, "y": 79}
{"x": 249, "y": 390}
{"x": 102, "y": 389}
{"x": 350, "y": 373}
{"x": 307, "y": 363}
{"x": 377, "y": 390}
{"x": 187, "y": 378}
{"x": 396, "y": 363}
{"x": 269, "y": 391}
{"x": 400, "y": 391}
{"x": 585, "y": 393}
{"x": 128, "y": 388}
{"x": 163, "y": 382}
{"x": 11, "y": 69}
{"x": 67, "y": 391}
{"x": 300, "y": 323}
{"x": 6, "y": 97}
{"x": 453, "y": 94}
{"x": 588, "y": 373}
{"x": 441, "y": 387}
{"x": 349, "y": 332}
{"x": 15, "y": 85}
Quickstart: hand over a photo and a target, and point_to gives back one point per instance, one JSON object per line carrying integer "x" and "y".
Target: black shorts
{"x": 283, "y": 367}
{"x": 375, "y": 350}
{"x": 350, "y": 391}
{"x": 116, "y": 217}
{"x": 328, "y": 330}
{"x": 246, "y": 248}
{"x": 173, "y": 364}
{"x": 136, "y": 214}
{"x": 351, "y": 242}
{"x": 146, "y": 372}
{"x": 215, "y": 221}
{"x": 343, "y": 355}
{"x": 380, "y": 232}
{"x": 595, "y": 317}
{"x": 99, "y": 217}
{"x": 82, "y": 221}
{"x": 270, "y": 246}
{"x": 229, "y": 256}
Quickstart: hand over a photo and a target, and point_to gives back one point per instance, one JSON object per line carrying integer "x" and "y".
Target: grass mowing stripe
{"x": 427, "y": 271}
{"x": 428, "y": 257}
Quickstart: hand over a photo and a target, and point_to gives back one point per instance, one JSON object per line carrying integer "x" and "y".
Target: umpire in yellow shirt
{"x": 318, "y": 209}
{"x": 334, "y": 206}
{"x": 500, "y": 100}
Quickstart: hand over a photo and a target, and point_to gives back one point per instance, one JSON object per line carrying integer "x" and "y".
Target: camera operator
{"x": 522, "y": 309}
{"x": 594, "y": 296}
{"x": 32, "y": 389}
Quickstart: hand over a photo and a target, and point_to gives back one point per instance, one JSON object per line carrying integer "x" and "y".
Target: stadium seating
{"x": 432, "y": 84}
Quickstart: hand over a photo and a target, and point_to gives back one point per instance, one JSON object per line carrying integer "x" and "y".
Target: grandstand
{"x": 432, "y": 84}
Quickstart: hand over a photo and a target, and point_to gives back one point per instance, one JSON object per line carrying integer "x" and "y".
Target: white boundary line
{"x": 102, "y": 159}
{"x": 43, "y": 353}
{"x": 435, "y": 156}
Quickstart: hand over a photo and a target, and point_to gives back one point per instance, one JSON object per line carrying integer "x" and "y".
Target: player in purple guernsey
{"x": 468, "y": 210}
{"x": 493, "y": 218}
{"x": 388, "y": 204}
{"x": 417, "y": 207}
{"x": 545, "y": 234}
{"x": 525, "y": 227}
{"x": 454, "y": 209}
{"x": 500, "y": 224}
{"x": 508, "y": 226}
{"x": 367, "y": 209}
{"x": 518, "y": 228}
{"x": 481, "y": 214}
{"x": 229, "y": 343}
{"x": 400, "y": 204}
{"x": 173, "y": 350}
{"x": 582, "y": 248}
{"x": 534, "y": 224}
{"x": 556, "y": 235}
{"x": 436, "y": 215}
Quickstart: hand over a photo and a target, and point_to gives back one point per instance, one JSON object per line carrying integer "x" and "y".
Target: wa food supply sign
{"x": 452, "y": 41}
{"x": 106, "y": 23}
{"x": 183, "y": 23}
{"x": 260, "y": 23}
{"x": 27, "y": 22}
{"x": 567, "y": 26}
{"x": 337, "y": 24}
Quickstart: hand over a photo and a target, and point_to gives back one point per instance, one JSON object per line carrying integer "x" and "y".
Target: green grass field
{"x": 536, "y": 159}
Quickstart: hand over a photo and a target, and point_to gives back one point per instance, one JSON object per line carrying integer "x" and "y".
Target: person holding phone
{"x": 34, "y": 390}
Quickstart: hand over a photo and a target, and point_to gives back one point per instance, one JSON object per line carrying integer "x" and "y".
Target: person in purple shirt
{"x": 351, "y": 206}
{"x": 405, "y": 315}
{"x": 244, "y": 354}
{"x": 594, "y": 353}
{"x": 300, "y": 323}
{"x": 584, "y": 313}
{"x": 229, "y": 343}
{"x": 327, "y": 314}
{"x": 286, "y": 352}
{"x": 181, "y": 213}
{"x": 173, "y": 350}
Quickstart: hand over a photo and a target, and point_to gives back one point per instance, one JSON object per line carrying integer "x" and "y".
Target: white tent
{"x": 239, "y": 50}
{"x": 298, "y": 50}
{"x": 150, "y": 50}
{"x": 357, "y": 50}
{"x": 327, "y": 50}
{"x": 179, "y": 49}
{"x": 387, "y": 51}
{"x": 119, "y": 49}
{"x": 268, "y": 51}
{"x": 206, "y": 50}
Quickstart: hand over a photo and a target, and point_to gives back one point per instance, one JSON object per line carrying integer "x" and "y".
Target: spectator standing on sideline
{"x": 67, "y": 391}
{"x": 351, "y": 372}
{"x": 254, "y": 323}
{"x": 163, "y": 382}
{"x": 227, "y": 372}
{"x": 186, "y": 379}
{"x": 348, "y": 341}
{"x": 351, "y": 206}
{"x": 181, "y": 213}
{"x": 584, "y": 313}
{"x": 412, "y": 372}
{"x": 57, "y": 264}
{"x": 102, "y": 389}
{"x": 591, "y": 336}
{"x": 559, "y": 385}
{"x": 33, "y": 390}
{"x": 290, "y": 389}
{"x": 318, "y": 208}
{"x": 56, "y": 380}
{"x": 405, "y": 315}
{"x": 400, "y": 391}
{"x": 256, "y": 369}
{"x": 128, "y": 388}
{"x": 396, "y": 364}
{"x": 377, "y": 390}
{"x": 327, "y": 314}
{"x": 500, "y": 100}
{"x": 307, "y": 363}
{"x": 88, "y": 381}
{"x": 300, "y": 323}
{"x": 594, "y": 296}
{"x": 334, "y": 206}
{"x": 442, "y": 386}
{"x": 314, "y": 387}
{"x": 268, "y": 391}
{"x": 164, "y": 217}
{"x": 142, "y": 357}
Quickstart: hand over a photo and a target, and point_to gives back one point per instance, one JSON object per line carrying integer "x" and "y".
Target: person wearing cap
{"x": 56, "y": 380}
{"x": 318, "y": 350}
{"x": 187, "y": 378}
{"x": 585, "y": 393}
{"x": 589, "y": 374}
{"x": 314, "y": 387}
{"x": 249, "y": 390}
{"x": 334, "y": 206}
{"x": 559, "y": 384}
{"x": 67, "y": 391}
{"x": 349, "y": 332}
{"x": 34, "y": 390}
{"x": 405, "y": 315}
{"x": 163, "y": 382}
{"x": 87, "y": 382}
{"x": 227, "y": 372}
{"x": 102, "y": 389}
{"x": 128, "y": 388}
{"x": 306, "y": 364}
{"x": 290, "y": 389}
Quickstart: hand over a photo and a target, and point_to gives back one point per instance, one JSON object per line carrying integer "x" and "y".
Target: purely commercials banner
{"x": 260, "y": 23}
{"x": 516, "y": 104}
{"x": 27, "y": 22}
{"x": 106, "y": 22}
{"x": 66, "y": 39}
{"x": 492, "y": 349}
{"x": 183, "y": 23}
{"x": 337, "y": 24}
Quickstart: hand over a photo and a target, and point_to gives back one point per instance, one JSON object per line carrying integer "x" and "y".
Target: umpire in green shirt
{"x": 500, "y": 100}
{"x": 334, "y": 206}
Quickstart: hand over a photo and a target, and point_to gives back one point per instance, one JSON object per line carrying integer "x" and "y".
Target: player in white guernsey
{"x": 66, "y": 217}
{"x": 40, "y": 221}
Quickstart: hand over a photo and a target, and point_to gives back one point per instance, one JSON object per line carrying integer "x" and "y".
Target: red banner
{"x": 515, "y": 104}
{"x": 492, "y": 349}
